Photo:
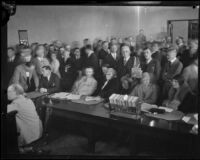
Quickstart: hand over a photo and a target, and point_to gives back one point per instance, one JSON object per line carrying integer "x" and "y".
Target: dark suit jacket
{"x": 63, "y": 64}
{"x": 53, "y": 85}
{"x": 83, "y": 54}
{"x": 187, "y": 59}
{"x": 102, "y": 54}
{"x": 111, "y": 87}
{"x": 11, "y": 67}
{"x": 171, "y": 70}
{"x": 189, "y": 104}
{"x": 125, "y": 69}
{"x": 180, "y": 51}
{"x": 111, "y": 61}
{"x": 152, "y": 67}
{"x": 92, "y": 61}
{"x": 157, "y": 56}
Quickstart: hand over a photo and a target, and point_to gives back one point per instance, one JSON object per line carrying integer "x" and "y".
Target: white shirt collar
{"x": 12, "y": 58}
{"x": 49, "y": 77}
{"x": 173, "y": 60}
{"x": 148, "y": 61}
{"x": 40, "y": 58}
{"x": 114, "y": 55}
{"x": 126, "y": 59}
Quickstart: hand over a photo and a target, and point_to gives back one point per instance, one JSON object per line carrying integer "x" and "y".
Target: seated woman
{"x": 111, "y": 84}
{"x": 54, "y": 63}
{"x": 147, "y": 91}
{"x": 86, "y": 85}
{"x": 176, "y": 93}
{"x": 28, "y": 122}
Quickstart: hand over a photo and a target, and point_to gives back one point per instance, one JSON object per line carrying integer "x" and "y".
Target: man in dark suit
{"x": 156, "y": 54}
{"x": 125, "y": 63}
{"x": 104, "y": 51}
{"x": 111, "y": 84}
{"x": 140, "y": 39}
{"x": 91, "y": 60}
{"x": 181, "y": 47}
{"x": 13, "y": 61}
{"x": 151, "y": 65}
{"x": 86, "y": 42}
{"x": 113, "y": 58}
{"x": 67, "y": 71}
{"x": 190, "y": 54}
{"x": 49, "y": 82}
{"x": 172, "y": 68}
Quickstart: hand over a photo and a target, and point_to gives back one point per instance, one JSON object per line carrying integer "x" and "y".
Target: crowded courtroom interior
{"x": 101, "y": 80}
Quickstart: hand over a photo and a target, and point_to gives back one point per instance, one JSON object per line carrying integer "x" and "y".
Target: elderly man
{"x": 172, "y": 68}
{"x": 29, "y": 125}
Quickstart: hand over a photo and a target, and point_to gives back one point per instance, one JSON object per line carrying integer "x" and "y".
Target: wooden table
{"x": 98, "y": 115}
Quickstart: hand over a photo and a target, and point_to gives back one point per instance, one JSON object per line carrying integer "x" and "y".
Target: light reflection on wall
{"x": 138, "y": 17}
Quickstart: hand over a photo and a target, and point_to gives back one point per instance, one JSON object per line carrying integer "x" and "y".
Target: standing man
{"x": 172, "y": 68}
{"x": 13, "y": 61}
{"x": 140, "y": 39}
{"x": 91, "y": 60}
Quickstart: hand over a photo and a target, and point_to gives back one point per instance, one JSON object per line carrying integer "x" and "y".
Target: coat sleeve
{"x": 56, "y": 87}
{"x": 12, "y": 107}
{"x": 36, "y": 79}
{"x": 16, "y": 76}
{"x": 153, "y": 97}
{"x": 158, "y": 70}
{"x": 112, "y": 89}
{"x": 135, "y": 91}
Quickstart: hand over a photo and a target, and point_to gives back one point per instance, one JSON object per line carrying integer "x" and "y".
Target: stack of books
{"x": 123, "y": 103}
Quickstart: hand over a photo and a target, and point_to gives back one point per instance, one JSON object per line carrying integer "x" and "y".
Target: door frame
{"x": 169, "y": 33}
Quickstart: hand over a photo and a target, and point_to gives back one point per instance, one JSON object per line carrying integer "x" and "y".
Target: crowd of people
{"x": 157, "y": 72}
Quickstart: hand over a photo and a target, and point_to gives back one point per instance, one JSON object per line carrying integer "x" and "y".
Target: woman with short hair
{"x": 87, "y": 84}
{"x": 147, "y": 91}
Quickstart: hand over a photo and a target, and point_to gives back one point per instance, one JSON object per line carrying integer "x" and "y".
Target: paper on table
{"x": 89, "y": 98}
{"x": 186, "y": 119}
{"x": 60, "y": 95}
{"x": 73, "y": 96}
{"x": 166, "y": 109}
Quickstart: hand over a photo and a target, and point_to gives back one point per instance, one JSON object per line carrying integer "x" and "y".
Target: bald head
{"x": 14, "y": 91}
